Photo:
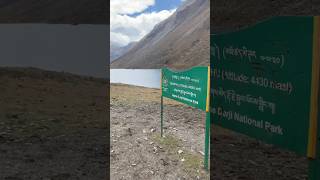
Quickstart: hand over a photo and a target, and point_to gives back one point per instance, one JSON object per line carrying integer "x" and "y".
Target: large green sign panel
{"x": 261, "y": 81}
{"x": 188, "y": 87}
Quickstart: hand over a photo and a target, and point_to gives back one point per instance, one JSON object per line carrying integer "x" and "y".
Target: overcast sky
{"x": 130, "y": 20}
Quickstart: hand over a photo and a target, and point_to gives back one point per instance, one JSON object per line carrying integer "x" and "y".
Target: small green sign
{"x": 262, "y": 81}
{"x": 189, "y": 87}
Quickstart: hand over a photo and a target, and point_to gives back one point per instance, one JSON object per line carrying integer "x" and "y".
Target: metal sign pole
{"x": 313, "y": 150}
{"x": 161, "y": 106}
{"x": 207, "y": 142}
{"x": 207, "y": 126}
{"x": 161, "y": 114}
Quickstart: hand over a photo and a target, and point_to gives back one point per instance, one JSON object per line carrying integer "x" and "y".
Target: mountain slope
{"x": 54, "y": 11}
{"x": 116, "y": 52}
{"x": 181, "y": 41}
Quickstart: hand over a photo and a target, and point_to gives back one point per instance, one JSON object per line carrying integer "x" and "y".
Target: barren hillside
{"x": 181, "y": 41}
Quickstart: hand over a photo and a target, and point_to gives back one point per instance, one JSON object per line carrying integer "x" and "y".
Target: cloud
{"x": 129, "y": 6}
{"x": 125, "y": 28}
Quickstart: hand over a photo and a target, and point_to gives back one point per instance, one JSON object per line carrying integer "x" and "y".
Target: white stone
{"x": 202, "y": 153}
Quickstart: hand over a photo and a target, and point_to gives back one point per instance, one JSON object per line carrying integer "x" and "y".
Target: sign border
{"x": 312, "y": 140}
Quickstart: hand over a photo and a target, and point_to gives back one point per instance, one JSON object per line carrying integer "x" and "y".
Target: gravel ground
{"x": 52, "y": 126}
{"x": 137, "y": 151}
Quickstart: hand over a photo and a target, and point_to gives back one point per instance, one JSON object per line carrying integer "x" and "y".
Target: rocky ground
{"x": 54, "y": 11}
{"x": 52, "y": 126}
{"x": 231, "y": 15}
{"x": 236, "y": 156}
{"x": 138, "y": 152}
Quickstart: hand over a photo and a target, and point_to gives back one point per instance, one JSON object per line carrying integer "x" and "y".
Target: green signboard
{"x": 189, "y": 87}
{"x": 264, "y": 82}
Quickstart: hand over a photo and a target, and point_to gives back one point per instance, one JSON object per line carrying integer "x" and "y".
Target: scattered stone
{"x": 182, "y": 160}
{"x": 155, "y": 149}
{"x": 252, "y": 162}
{"x": 151, "y": 143}
{"x": 129, "y": 131}
{"x": 153, "y": 130}
{"x": 144, "y": 131}
{"x": 164, "y": 162}
{"x": 145, "y": 138}
{"x": 180, "y": 151}
{"x": 133, "y": 164}
{"x": 175, "y": 162}
{"x": 202, "y": 153}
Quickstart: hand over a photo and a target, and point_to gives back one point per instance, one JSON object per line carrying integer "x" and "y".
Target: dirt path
{"x": 52, "y": 126}
{"x": 138, "y": 151}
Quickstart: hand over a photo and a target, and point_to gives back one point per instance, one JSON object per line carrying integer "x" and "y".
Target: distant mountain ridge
{"x": 116, "y": 52}
{"x": 181, "y": 41}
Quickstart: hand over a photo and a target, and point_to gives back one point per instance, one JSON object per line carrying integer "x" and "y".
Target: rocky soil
{"x": 54, "y": 11}
{"x": 52, "y": 126}
{"x": 137, "y": 151}
{"x": 231, "y": 15}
